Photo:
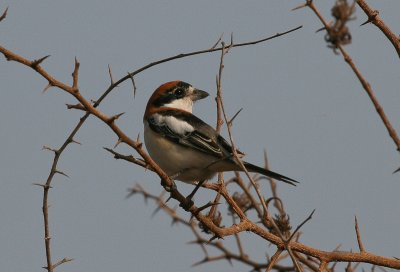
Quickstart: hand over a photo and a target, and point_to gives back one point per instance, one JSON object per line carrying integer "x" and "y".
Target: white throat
{"x": 185, "y": 104}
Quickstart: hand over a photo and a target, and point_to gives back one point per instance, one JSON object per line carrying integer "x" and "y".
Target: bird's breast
{"x": 174, "y": 158}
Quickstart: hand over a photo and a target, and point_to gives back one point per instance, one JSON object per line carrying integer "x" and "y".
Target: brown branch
{"x": 206, "y": 51}
{"x": 373, "y": 17}
{"x": 128, "y": 158}
{"x": 57, "y": 153}
{"x": 274, "y": 259}
{"x": 367, "y": 87}
{"x": 218, "y": 98}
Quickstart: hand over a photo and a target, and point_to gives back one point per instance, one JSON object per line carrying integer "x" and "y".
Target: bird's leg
{"x": 198, "y": 185}
{"x": 172, "y": 177}
{"x": 168, "y": 188}
{"x": 189, "y": 202}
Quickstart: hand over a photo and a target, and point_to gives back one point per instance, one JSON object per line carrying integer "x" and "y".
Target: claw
{"x": 198, "y": 185}
{"x": 187, "y": 204}
{"x": 167, "y": 188}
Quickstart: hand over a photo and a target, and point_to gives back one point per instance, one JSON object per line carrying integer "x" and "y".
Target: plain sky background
{"x": 301, "y": 102}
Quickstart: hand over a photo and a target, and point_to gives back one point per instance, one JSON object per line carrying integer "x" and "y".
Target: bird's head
{"x": 174, "y": 94}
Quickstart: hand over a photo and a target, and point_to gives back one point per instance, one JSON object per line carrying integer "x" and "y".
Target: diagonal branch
{"x": 367, "y": 87}
{"x": 373, "y": 17}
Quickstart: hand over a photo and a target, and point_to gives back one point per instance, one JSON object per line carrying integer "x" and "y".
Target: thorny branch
{"x": 110, "y": 121}
{"x": 373, "y": 17}
{"x": 343, "y": 8}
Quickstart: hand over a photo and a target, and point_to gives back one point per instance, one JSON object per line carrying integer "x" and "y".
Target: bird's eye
{"x": 179, "y": 92}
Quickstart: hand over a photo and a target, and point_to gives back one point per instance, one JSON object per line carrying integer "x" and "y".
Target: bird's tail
{"x": 254, "y": 168}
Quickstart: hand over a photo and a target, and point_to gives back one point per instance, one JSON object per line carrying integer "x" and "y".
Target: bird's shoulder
{"x": 180, "y": 121}
{"x": 175, "y": 123}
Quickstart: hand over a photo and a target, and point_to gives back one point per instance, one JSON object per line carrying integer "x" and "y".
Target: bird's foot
{"x": 168, "y": 188}
{"x": 187, "y": 204}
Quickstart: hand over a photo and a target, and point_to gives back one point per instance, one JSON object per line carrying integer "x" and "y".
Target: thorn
{"x": 4, "y": 15}
{"x": 61, "y": 173}
{"x": 38, "y": 61}
{"x": 108, "y": 149}
{"x": 131, "y": 192}
{"x": 116, "y": 144}
{"x": 174, "y": 221}
{"x": 42, "y": 185}
{"x": 209, "y": 204}
{"x": 230, "y": 261}
{"x": 231, "y": 41}
{"x": 76, "y": 106}
{"x": 360, "y": 244}
{"x": 397, "y": 170}
{"x": 110, "y": 74}
{"x": 200, "y": 262}
{"x": 47, "y": 87}
{"x": 45, "y": 147}
{"x": 133, "y": 84}
{"x": 75, "y": 75}
{"x": 371, "y": 18}
{"x": 214, "y": 237}
{"x": 233, "y": 118}
{"x": 75, "y": 142}
{"x": 156, "y": 211}
{"x": 299, "y": 7}
{"x": 194, "y": 242}
{"x": 65, "y": 260}
{"x": 168, "y": 199}
{"x": 219, "y": 39}
{"x": 115, "y": 117}
{"x": 320, "y": 29}
{"x": 138, "y": 139}
{"x": 366, "y": 22}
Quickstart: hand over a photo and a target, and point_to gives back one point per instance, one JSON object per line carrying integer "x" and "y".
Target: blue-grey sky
{"x": 301, "y": 102}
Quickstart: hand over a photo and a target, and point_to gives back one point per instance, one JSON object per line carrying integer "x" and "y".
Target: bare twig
{"x": 274, "y": 259}
{"x": 299, "y": 226}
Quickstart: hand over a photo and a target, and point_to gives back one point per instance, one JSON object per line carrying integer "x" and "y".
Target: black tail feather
{"x": 254, "y": 168}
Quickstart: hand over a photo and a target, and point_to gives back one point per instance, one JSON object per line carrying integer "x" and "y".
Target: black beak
{"x": 199, "y": 94}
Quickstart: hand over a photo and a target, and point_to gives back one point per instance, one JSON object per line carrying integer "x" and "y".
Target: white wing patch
{"x": 178, "y": 126}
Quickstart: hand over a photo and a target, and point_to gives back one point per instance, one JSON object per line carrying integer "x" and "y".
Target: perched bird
{"x": 184, "y": 146}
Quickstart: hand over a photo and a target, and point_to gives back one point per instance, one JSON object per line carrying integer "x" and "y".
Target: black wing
{"x": 204, "y": 138}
